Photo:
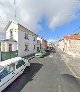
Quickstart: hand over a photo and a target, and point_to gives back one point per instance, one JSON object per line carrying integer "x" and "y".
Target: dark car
{"x": 47, "y": 52}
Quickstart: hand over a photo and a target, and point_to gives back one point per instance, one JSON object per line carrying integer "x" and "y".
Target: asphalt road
{"x": 49, "y": 74}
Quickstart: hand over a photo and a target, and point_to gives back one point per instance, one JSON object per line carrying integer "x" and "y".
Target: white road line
{"x": 72, "y": 70}
{"x": 51, "y": 56}
{"x": 59, "y": 88}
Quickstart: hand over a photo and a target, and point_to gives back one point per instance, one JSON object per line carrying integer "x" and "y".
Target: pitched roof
{"x": 73, "y": 37}
{"x": 10, "y": 21}
{"x": 8, "y": 24}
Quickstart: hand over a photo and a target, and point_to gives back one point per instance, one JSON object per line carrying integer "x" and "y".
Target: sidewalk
{"x": 72, "y": 62}
{"x": 29, "y": 57}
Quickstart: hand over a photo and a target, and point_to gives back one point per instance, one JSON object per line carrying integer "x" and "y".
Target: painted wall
{"x": 22, "y": 41}
{"x": 19, "y": 35}
{"x": 14, "y": 27}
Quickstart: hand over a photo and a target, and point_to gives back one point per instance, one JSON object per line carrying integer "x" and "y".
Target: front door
{"x": 10, "y": 47}
{"x": 37, "y": 48}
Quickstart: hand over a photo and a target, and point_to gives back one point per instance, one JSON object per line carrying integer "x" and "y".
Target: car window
{"x": 20, "y": 63}
{"x": 11, "y": 67}
{"x": 4, "y": 73}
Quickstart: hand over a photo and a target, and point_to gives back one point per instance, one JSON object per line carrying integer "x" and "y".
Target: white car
{"x": 10, "y": 69}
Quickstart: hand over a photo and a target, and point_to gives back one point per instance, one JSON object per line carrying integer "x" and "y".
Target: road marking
{"x": 72, "y": 71}
{"x": 59, "y": 88}
{"x": 44, "y": 57}
{"x": 50, "y": 56}
{"x": 69, "y": 66}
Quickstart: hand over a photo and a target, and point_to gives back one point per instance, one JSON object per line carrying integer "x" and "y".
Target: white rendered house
{"x": 26, "y": 40}
{"x": 19, "y": 38}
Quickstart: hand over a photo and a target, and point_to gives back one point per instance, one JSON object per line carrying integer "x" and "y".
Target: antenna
{"x": 15, "y": 10}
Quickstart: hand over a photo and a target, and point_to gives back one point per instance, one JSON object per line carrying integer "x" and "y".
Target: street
{"x": 48, "y": 74}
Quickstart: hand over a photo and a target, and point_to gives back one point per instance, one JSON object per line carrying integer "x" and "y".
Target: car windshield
{"x": 3, "y": 72}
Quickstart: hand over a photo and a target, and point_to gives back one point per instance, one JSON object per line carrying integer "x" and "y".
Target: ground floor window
{"x": 37, "y": 48}
{"x": 34, "y": 47}
{"x": 26, "y": 46}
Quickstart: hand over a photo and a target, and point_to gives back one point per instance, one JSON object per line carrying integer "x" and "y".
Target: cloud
{"x": 30, "y": 12}
{"x": 52, "y": 41}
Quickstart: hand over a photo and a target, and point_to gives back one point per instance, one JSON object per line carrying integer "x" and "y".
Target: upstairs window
{"x": 26, "y": 36}
{"x": 34, "y": 39}
{"x": 11, "y": 33}
{"x": 38, "y": 42}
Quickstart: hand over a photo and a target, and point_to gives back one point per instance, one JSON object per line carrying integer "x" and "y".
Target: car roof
{"x": 10, "y": 61}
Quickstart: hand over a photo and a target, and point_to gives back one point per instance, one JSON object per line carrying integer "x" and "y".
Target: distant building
{"x": 43, "y": 43}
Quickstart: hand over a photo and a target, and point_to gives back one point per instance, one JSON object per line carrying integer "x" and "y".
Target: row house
{"x": 43, "y": 43}
{"x": 61, "y": 44}
{"x": 19, "y": 41}
{"x": 71, "y": 44}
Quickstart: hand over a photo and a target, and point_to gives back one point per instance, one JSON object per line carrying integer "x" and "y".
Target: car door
{"x": 20, "y": 66}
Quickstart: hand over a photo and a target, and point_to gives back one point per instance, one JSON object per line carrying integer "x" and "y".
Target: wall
{"x": 19, "y": 36}
{"x": 32, "y": 43}
{"x": 13, "y": 26}
{"x": 71, "y": 47}
{"x": 75, "y": 45}
{"x": 22, "y": 41}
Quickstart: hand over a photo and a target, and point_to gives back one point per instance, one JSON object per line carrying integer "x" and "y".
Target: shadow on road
{"x": 68, "y": 76}
{"x": 71, "y": 79}
{"x": 22, "y": 80}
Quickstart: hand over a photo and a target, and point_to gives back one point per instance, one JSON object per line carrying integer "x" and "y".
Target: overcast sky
{"x": 31, "y": 13}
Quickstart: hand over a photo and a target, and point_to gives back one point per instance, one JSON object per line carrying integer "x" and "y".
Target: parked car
{"x": 40, "y": 54}
{"x": 10, "y": 69}
{"x": 47, "y": 51}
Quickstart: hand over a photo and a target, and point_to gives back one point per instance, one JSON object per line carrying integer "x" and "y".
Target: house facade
{"x": 26, "y": 40}
{"x": 43, "y": 43}
{"x": 18, "y": 39}
{"x": 71, "y": 45}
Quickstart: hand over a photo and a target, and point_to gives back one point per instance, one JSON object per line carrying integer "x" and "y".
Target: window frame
{"x": 34, "y": 47}
{"x": 20, "y": 64}
{"x": 26, "y": 36}
{"x": 26, "y": 47}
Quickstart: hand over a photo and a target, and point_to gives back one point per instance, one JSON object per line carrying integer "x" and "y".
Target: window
{"x": 34, "y": 39}
{"x": 26, "y": 36}
{"x": 26, "y": 46}
{"x": 38, "y": 42}
{"x": 11, "y": 67}
{"x": 11, "y": 33}
{"x": 20, "y": 63}
{"x": 4, "y": 73}
{"x": 34, "y": 47}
